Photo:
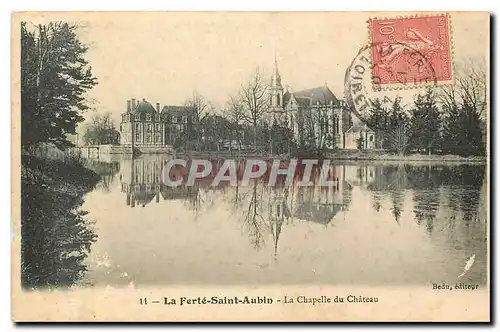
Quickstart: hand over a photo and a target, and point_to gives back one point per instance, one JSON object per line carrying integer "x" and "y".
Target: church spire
{"x": 276, "y": 78}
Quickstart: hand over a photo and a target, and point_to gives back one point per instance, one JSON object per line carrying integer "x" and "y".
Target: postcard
{"x": 251, "y": 166}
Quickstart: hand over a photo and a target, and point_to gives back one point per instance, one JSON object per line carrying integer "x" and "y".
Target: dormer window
{"x": 148, "y": 117}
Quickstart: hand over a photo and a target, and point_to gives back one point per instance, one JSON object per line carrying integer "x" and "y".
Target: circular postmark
{"x": 381, "y": 66}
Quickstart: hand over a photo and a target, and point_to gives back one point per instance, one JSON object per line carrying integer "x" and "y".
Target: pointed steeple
{"x": 276, "y": 230}
{"x": 276, "y": 78}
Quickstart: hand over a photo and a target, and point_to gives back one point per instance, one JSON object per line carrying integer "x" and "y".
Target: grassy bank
{"x": 344, "y": 155}
{"x": 55, "y": 234}
{"x": 384, "y": 156}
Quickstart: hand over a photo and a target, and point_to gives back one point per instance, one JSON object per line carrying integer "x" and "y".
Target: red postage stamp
{"x": 411, "y": 50}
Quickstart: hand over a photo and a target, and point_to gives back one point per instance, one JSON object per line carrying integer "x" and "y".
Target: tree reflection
{"x": 397, "y": 184}
{"x": 265, "y": 211}
{"x": 426, "y": 195}
{"x": 254, "y": 220}
{"x": 55, "y": 236}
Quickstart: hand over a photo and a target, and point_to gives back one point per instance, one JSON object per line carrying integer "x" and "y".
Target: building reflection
{"x": 141, "y": 182}
{"x": 264, "y": 210}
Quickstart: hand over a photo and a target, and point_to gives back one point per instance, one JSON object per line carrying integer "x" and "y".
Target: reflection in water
{"x": 56, "y": 235}
{"x": 338, "y": 234}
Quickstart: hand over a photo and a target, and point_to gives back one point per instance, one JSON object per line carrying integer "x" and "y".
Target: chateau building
{"x": 316, "y": 114}
{"x": 143, "y": 125}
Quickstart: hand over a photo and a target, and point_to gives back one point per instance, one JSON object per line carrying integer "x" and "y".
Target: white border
{"x": 262, "y": 5}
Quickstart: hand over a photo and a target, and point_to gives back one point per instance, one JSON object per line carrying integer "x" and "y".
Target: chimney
{"x": 129, "y": 106}
{"x": 133, "y": 103}
{"x": 158, "y": 107}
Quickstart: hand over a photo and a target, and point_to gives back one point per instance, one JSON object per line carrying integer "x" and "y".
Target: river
{"x": 387, "y": 224}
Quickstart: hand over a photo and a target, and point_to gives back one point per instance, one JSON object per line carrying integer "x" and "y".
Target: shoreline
{"x": 344, "y": 156}
{"x": 411, "y": 158}
{"x": 353, "y": 157}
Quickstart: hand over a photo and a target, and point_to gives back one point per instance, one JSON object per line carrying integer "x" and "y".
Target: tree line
{"x": 444, "y": 120}
{"x": 55, "y": 77}
{"x": 55, "y": 233}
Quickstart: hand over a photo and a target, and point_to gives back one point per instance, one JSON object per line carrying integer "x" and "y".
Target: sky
{"x": 166, "y": 56}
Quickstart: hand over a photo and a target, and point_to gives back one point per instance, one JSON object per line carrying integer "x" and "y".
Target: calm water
{"x": 379, "y": 225}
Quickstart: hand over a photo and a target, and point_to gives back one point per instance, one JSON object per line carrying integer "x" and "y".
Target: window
{"x": 278, "y": 210}
{"x": 137, "y": 117}
{"x": 120, "y": 128}
{"x": 278, "y": 99}
{"x": 137, "y": 127}
{"x": 169, "y": 118}
{"x": 157, "y": 117}
{"x": 174, "y": 119}
{"x": 148, "y": 117}
{"x": 184, "y": 119}
{"x": 150, "y": 127}
{"x": 371, "y": 138}
{"x": 138, "y": 137}
{"x": 158, "y": 127}
{"x": 148, "y": 138}
{"x": 158, "y": 138}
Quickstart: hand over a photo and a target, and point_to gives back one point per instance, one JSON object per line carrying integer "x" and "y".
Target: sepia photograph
{"x": 251, "y": 166}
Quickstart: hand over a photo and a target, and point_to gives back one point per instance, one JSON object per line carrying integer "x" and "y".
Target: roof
{"x": 321, "y": 94}
{"x": 176, "y": 109}
{"x": 319, "y": 213}
{"x": 143, "y": 198}
{"x": 303, "y": 102}
{"x": 181, "y": 192}
{"x": 286, "y": 97}
{"x": 360, "y": 127}
{"x": 144, "y": 107}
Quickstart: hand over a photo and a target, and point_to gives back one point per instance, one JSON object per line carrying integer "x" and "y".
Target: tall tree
{"x": 323, "y": 129}
{"x": 425, "y": 124}
{"x": 378, "y": 120}
{"x": 54, "y": 80}
{"x": 254, "y": 97}
{"x": 399, "y": 139}
{"x": 201, "y": 108}
{"x": 235, "y": 113}
{"x": 464, "y": 105}
{"x": 101, "y": 130}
